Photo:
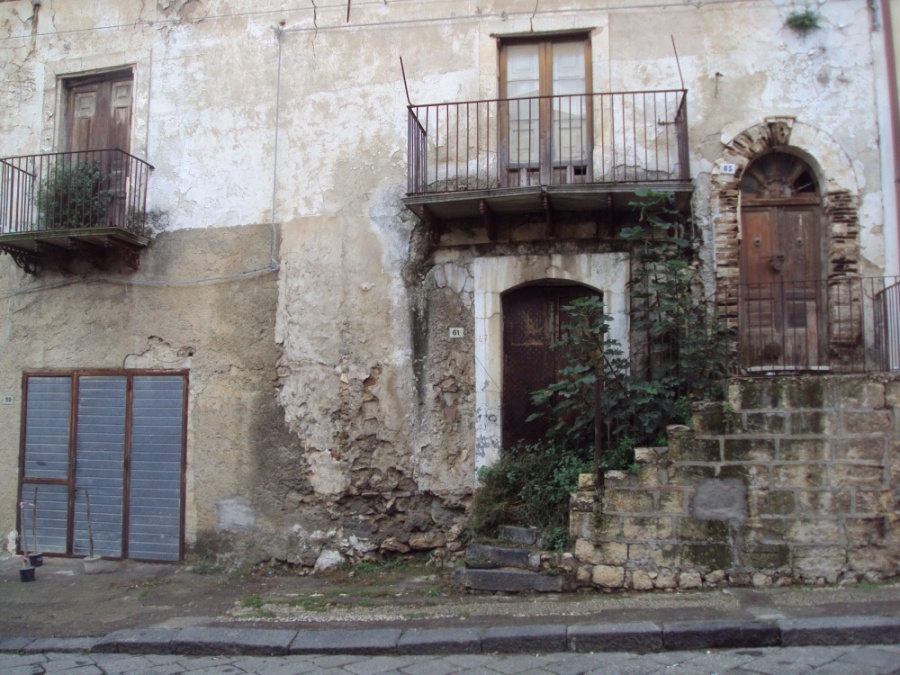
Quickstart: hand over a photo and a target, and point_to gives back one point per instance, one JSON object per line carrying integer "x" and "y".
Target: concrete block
{"x": 639, "y": 637}
{"x": 840, "y": 630}
{"x": 137, "y": 641}
{"x": 505, "y": 557}
{"x": 507, "y": 580}
{"x": 440, "y": 641}
{"x": 720, "y": 634}
{"x": 520, "y": 535}
{"x": 72, "y": 645}
{"x": 367, "y": 641}
{"x": 525, "y": 639}
{"x": 198, "y": 640}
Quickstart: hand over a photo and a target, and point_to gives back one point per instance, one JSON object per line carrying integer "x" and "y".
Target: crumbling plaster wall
{"x": 363, "y": 430}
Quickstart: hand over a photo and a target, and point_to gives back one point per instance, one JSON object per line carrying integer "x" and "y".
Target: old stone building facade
{"x": 278, "y": 326}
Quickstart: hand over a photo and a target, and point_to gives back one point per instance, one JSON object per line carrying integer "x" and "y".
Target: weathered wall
{"x": 793, "y": 480}
{"x": 359, "y": 423}
{"x": 204, "y": 300}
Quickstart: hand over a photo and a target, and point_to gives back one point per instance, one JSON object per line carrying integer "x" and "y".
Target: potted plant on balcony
{"x": 72, "y": 196}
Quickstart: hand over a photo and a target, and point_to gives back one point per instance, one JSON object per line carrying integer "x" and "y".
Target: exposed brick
{"x": 810, "y": 423}
{"x": 805, "y": 392}
{"x": 653, "y": 554}
{"x": 799, "y": 475}
{"x": 802, "y": 450}
{"x": 814, "y": 531}
{"x": 748, "y": 450}
{"x": 857, "y": 392}
{"x": 766, "y": 556}
{"x": 756, "y": 477}
{"x": 627, "y": 501}
{"x": 775, "y": 502}
{"x": 858, "y": 475}
{"x": 762, "y": 394}
{"x": 874, "y": 559}
{"x": 701, "y": 450}
{"x": 764, "y": 423}
{"x": 872, "y": 502}
{"x": 690, "y": 474}
{"x": 766, "y": 529}
{"x": 865, "y": 531}
{"x": 877, "y": 421}
{"x": 691, "y": 529}
{"x": 610, "y": 527}
{"x": 715, "y": 423}
{"x": 646, "y": 528}
{"x": 582, "y": 525}
{"x": 855, "y": 449}
{"x": 822, "y": 501}
{"x": 611, "y": 553}
{"x": 823, "y": 561}
{"x": 892, "y": 393}
{"x": 672, "y": 500}
{"x": 707, "y": 556}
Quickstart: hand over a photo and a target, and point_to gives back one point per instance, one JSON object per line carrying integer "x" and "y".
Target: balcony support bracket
{"x": 548, "y": 214}
{"x": 490, "y": 222}
{"x": 433, "y": 223}
{"x": 24, "y": 259}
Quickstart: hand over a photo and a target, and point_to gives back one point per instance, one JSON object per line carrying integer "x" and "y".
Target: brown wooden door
{"x": 532, "y": 322}
{"x": 783, "y": 309}
{"x": 98, "y": 114}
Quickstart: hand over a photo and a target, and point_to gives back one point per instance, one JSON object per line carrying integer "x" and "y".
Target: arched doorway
{"x": 533, "y": 317}
{"x": 782, "y": 292}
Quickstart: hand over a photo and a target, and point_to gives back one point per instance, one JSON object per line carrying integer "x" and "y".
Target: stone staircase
{"x": 514, "y": 570}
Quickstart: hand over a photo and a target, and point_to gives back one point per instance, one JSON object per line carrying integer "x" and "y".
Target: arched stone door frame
{"x": 839, "y": 193}
{"x": 607, "y": 273}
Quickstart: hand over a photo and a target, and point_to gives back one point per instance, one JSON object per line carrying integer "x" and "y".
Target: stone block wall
{"x": 792, "y": 480}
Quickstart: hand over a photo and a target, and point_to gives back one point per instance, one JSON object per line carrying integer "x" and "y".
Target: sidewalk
{"x": 165, "y": 609}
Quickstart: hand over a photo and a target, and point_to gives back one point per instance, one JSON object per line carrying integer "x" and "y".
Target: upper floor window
{"x": 547, "y": 127}
{"x": 98, "y": 112}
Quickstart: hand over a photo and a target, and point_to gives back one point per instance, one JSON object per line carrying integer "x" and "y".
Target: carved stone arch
{"x": 839, "y": 198}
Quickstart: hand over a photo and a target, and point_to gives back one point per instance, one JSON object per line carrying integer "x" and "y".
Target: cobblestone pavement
{"x": 858, "y": 660}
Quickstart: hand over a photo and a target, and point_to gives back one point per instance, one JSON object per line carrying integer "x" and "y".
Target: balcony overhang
{"x": 549, "y": 202}
{"x": 58, "y": 208}
{"x": 58, "y": 248}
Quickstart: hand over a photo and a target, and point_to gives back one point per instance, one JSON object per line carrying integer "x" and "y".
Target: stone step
{"x": 503, "y": 557}
{"x": 529, "y": 536}
{"x": 508, "y": 580}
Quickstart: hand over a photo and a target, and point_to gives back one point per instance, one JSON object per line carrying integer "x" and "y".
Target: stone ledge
{"x": 639, "y": 637}
{"x": 840, "y": 630}
{"x": 366, "y": 641}
{"x": 137, "y": 641}
{"x": 719, "y": 634}
{"x": 197, "y": 641}
{"x": 525, "y": 639}
{"x": 440, "y": 641}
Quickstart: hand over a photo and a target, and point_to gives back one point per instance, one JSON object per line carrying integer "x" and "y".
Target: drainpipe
{"x": 891, "y": 73}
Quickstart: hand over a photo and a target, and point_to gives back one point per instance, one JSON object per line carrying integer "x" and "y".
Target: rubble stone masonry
{"x": 791, "y": 480}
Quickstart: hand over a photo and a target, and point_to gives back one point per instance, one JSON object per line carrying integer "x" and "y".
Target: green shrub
{"x": 71, "y": 196}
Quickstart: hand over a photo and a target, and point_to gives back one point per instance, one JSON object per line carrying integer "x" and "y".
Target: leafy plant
{"x": 72, "y": 196}
{"x": 678, "y": 352}
{"x": 802, "y": 22}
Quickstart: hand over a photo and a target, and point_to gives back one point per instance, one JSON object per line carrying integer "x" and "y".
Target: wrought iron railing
{"x": 66, "y": 191}
{"x": 620, "y": 137}
{"x": 836, "y": 325}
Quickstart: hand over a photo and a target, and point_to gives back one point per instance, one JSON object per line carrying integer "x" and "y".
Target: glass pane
{"x": 522, "y": 81}
{"x": 568, "y": 124}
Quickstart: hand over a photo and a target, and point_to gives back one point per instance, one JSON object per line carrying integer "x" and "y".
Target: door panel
{"x": 156, "y": 442}
{"x": 128, "y": 452}
{"x": 98, "y": 115}
{"x": 782, "y": 306}
{"x": 532, "y": 322}
{"x": 100, "y": 464}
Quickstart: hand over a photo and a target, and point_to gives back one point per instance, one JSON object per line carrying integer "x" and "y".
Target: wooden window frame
{"x": 545, "y": 164}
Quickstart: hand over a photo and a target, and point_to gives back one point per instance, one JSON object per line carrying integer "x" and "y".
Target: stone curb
{"x": 638, "y": 637}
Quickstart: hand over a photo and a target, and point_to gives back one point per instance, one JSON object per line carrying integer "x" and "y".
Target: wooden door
{"x": 783, "y": 296}
{"x": 532, "y": 321}
{"x": 98, "y": 113}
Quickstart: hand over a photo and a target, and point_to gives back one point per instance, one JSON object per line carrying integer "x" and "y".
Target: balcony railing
{"x": 842, "y": 326}
{"x": 587, "y": 139}
{"x": 72, "y": 193}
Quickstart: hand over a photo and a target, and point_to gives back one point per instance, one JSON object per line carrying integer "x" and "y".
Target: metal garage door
{"x": 117, "y": 437}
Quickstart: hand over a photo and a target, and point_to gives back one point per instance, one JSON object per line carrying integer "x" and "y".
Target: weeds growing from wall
{"x": 678, "y": 354}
